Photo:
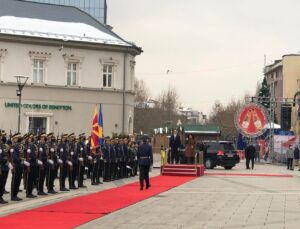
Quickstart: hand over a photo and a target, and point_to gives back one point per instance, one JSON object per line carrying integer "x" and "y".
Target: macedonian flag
{"x": 95, "y": 131}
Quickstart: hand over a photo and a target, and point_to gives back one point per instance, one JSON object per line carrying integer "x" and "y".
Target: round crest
{"x": 251, "y": 120}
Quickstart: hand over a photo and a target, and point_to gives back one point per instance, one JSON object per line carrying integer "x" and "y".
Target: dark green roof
{"x": 201, "y": 129}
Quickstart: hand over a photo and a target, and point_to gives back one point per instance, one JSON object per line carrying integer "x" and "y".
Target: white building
{"x": 193, "y": 116}
{"x": 73, "y": 62}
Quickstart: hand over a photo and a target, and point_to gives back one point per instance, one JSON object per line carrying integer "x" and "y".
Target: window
{"x": 107, "y": 75}
{"x": 38, "y": 71}
{"x": 72, "y": 74}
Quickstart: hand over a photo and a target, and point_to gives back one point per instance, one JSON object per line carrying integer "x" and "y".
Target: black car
{"x": 220, "y": 153}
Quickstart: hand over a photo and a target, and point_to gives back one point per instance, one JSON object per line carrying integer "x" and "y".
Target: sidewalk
{"x": 218, "y": 202}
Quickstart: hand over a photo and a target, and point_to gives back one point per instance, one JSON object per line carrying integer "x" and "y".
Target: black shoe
{"x": 20, "y": 190}
{"x": 52, "y": 192}
{"x": 6, "y": 192}
{"x": 31, "y": 196}
{"x": 82, "y": 186}
{"x": 16, "y": 199}
{"x": 147, "y": 187}
{"x": 94, "y": 183}
{"x": 2, "y": 201}
{"x": 64, "y": 190}
{"x": 42, "y": 194}
{"x": 141, "y": 188}
{"x": 73, "y": 187}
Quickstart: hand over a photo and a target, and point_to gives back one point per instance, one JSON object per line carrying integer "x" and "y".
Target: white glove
{"x": 41, "y": 149}
{"x": 51, "y": 162}
{"x": 39, "y": 162}
{"x": 10, "y": 166}
{"x": 61, "y": 150}
{"x": 28, "y": 151}
{"x": 80, "y": 159}
{"x": 0, "y": 151}
{"x": 90, "y": 157}
{"x": 52, "y": 150}
{"x": 72, "y": 153}
{"x": 91, "y": 147}
{"x": 11, "y": 150}
{"x": 81, "y": 149}
{"x": 70, "y": 163}
{"x": 60, "y": 161}
{"x": 26, "y": 163}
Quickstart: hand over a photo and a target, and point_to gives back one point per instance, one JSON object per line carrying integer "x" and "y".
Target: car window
{"x": 228, "y": 146}
{"x": 213, "y": 147}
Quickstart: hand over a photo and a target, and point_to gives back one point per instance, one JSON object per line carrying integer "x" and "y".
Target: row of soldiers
{"x": 39, "y": 160}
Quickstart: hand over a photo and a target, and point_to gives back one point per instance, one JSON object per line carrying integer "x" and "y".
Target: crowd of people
{"x": 39, "y": 160}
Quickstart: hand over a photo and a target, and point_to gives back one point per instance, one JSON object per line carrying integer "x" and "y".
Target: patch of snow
{"x": 56, "y": 30}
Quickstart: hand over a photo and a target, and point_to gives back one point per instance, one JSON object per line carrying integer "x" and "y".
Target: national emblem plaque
{"x": 251, "y": 120}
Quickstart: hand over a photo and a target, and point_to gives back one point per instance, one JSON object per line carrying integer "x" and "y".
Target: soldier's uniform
{"x": 89, "y": 161}
{"x": 106, "y": 160}
{"x": 31, "y": 166}
{"x": 16, "y": 165}
{"x": 63, "y": 158}
{"x": 43, "y": 164}
{"x": 113, "y": 161}
{"x": 81, "y": 152}
{"x": 3, "y": 166}
{"x": 53, "y": 163}
{"x": 73, "y": 158}
{"x": 96, "y": 162}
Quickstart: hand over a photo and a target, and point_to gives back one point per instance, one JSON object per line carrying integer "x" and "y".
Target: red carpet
{"x": 80, "y": 210}
{"x": 249, "y": 174}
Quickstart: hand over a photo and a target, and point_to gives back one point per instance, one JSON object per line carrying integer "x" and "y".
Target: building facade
{"x": 285, "y": 75}
{"x": 96, "y": 8}
{"x": 69, "y": 71}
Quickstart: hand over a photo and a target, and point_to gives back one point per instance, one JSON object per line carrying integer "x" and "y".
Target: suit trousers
{"x": 248, "y": 163}
{"x": 144, "y": 175}
{"x": 174, "y": 156}
{"x": 16, "y": 180}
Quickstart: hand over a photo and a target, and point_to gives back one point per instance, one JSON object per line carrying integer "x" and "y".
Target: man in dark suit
{"x": 250, "y": 155}
{"x": 145, "y": 160}
{"x": 174, "y": 145}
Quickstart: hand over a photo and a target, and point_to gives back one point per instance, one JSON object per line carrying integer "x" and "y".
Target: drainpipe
{"x": 124, "y": 87}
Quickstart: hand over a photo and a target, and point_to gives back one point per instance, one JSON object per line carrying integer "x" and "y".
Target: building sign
{"x": 251, "y": 120}
{"x": 39, "y": 106}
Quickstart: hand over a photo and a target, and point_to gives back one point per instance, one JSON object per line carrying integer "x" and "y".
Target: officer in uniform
{"x": 118, "y": 158}
{"x": 126, "y": 157}
{"x": 3, "y": 166}
{"x": 73, "y": 161}
{"x": 62, "y": 160}
{"x": 113, "y": 161}
{"x": 106, "y": 160}
{"x": 81, "y": 152}
{"x": 145, "y": 160}
{"x": 52, "y": 161}
{"x": 5, "y": 169}
{"x": 16, "y": 166}
{"x": 96, "y": 161}
{"x": 89, "y": 155}
{"x": 43, "y": 164}
{"x": 30, "y": 165}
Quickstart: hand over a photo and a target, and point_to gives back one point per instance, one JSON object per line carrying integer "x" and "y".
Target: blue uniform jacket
{"x": 145, "y": 155}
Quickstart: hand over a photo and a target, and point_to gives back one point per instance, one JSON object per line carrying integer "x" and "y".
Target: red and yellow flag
{"x": 95, "y": 130}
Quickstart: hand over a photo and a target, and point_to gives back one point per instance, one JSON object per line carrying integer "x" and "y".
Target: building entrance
{"x": 37, "y": 125}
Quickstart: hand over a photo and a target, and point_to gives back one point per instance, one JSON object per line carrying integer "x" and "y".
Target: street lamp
{"x": 21, "y": 81}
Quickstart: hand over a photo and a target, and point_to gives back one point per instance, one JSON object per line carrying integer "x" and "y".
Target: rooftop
{"x": 65, "y": 23}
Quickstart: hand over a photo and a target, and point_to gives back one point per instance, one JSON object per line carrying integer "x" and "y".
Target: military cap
{"x": 107, "y": 138}
{"x": 25, "y": 135}
{"x": 50, "y": 134}
{"x": 2, "y": 133}
{"x": 16, "y": 135}
{"x": 43, "y": 135}
{"x": 82, "y": 135}
{"x": 71, "y": 135}
{"x": 64, "y": 135}
{"x": 30, "y": 135}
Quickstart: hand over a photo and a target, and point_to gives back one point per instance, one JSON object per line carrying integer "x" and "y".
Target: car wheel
{"x": 228, "y": 167}
{"x": 208, "y": 164}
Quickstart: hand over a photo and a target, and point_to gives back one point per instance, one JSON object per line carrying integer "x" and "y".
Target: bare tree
{"x": 141, "y": 91}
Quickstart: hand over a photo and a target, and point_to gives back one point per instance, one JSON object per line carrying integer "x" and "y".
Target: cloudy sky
{"x": 214, "y": 48}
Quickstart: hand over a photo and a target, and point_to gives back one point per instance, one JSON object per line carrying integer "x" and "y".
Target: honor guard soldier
{"x": 30, "y": 165}
{"x": 113, "y": 161}
{"x": 145, "y": 160}
{"x": 81, "y": 152}
{"x": 95, "y": 153}
{"x": 73, "y": 161}
{"x": 4, "y": 156}
{"x": 52, "y": 161}
{"x": 16, "y": 166}
{"x": 42, "y": 163}
{"x": 106, "y": 160}
{"x": 89, "y": 162}
{"x": 118, "y": 158}
{"x": 63, "y": 162}
{"x": 5, "y": 169}
{"x": 127, "y": 168}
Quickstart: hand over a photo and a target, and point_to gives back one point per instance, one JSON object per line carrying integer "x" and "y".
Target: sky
{"x": 214, "y": 49}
